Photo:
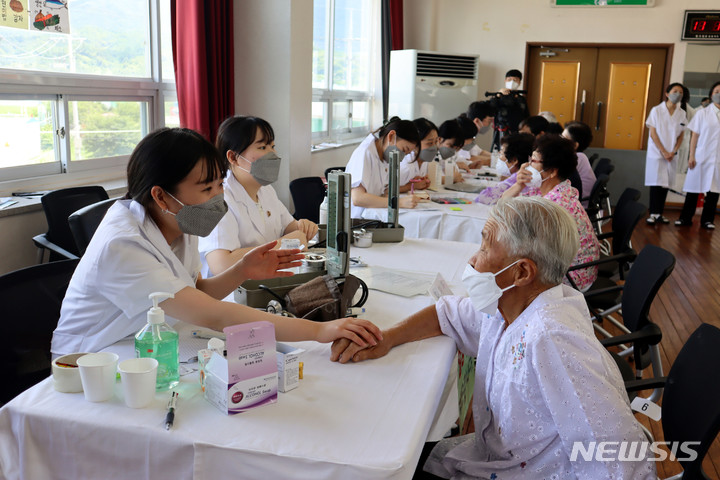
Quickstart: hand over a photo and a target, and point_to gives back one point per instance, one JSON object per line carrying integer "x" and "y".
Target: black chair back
{"x": 576, "y": 182}
{"x": 58, "y": 205}
{"x": 625, "y": 219}
{"x": 628, "y": 195}
{"x": 307, "y": 194}
{"x": 596, "y": 196}
{"x": 85, "y": 221}
{"x": 689, "y": 412}
{"x": 31, "y": 300}
{"x": 604, "y": 166}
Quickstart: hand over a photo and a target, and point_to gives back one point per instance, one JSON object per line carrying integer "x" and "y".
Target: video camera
{"x": 511, "y": 109}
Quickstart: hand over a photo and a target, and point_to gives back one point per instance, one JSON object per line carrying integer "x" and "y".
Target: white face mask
{"x": 537, "y": 179}
{"x": 512, "y": 85}
{"x": 482, "y": 288}
{"x": 501, "y": 168}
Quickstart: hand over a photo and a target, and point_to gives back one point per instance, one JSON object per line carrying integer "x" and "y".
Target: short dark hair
{"x": 467, "y": 127}
{"x": 557, "y": 152}
{"x": 711, "y": 90}
{"x": 238, "y": 133}
{"x": 554, "y": 128}
{"x": 424, "y": 127}
{"x": 518, "y": 146}
{"x": 165, "y": 157}
{"x": 514, "y": 73}
{"x": 480, "y": 110}
{"x": 673, "y": 85}
{"x": 537, "y": 124}
{"x": 451, "y": 129}
{"x": 404, "y": 129}
{"x": 580, "y": 133}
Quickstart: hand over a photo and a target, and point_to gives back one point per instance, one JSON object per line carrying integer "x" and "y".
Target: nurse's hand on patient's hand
{"x": 409, "y": 201}
{"x": 354, "y": 330}
{"x": 344, "y": 351}
{"x": 307, "y": 227}
{"x": 264, "y": 262}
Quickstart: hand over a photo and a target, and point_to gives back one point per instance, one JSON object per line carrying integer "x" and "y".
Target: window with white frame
{"x": 342, "y": 69}
{"x": 82, "y": 99}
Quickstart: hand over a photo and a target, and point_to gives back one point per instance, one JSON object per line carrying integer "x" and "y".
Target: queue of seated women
{"x": 199, "y": 219}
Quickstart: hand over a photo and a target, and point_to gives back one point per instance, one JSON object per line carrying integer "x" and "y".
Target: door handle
{"x": 582, "y": 105}
{"x": 599, "y": 114}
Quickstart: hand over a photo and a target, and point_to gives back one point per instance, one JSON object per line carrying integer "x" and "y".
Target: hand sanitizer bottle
{"x": 324, "y": 210}
{"x": 159, "y": 341}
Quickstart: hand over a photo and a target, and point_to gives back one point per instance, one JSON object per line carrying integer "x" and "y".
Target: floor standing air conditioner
{"x": 433, "y": 85}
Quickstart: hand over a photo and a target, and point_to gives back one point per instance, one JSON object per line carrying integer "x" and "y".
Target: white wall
{"x": 499, "y": 30}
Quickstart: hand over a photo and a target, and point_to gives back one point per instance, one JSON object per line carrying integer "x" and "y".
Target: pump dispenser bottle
{"x": 159, "y": 341}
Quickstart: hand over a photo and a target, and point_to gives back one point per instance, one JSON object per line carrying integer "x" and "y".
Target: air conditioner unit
{"x": 433, "y": 85}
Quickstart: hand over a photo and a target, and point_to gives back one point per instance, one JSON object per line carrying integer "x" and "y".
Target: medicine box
{"x": 247, "y": 378}
{"x": 288, "y": 365}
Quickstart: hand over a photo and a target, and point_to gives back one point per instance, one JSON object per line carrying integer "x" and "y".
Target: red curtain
{"x": 202, "y": 38}
{"x": 396, "y": 24}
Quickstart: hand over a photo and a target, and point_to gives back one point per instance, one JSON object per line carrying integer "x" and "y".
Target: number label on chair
{"x": 646, "y": 407}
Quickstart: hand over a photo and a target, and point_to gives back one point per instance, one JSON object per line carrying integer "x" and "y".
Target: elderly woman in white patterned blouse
{"x": 543, "y": 382}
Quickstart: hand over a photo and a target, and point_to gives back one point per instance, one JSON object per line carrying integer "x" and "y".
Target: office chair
{"x": 576, "y": 183}
{"x": 629, "y": 195}
{"x": 690, "y": 410}
{"x": 595, "y": 200}
{"x": 328, "y": 170}
{"x": 85, "y": 221}
{"x": 58, "y": 205}
{"x": 31, "y": 299}
{"x": 649, "y": 271}
{"x": 307, "y": 195}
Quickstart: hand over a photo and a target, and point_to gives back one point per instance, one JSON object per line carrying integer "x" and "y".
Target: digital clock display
{"x": 701, "y": 25}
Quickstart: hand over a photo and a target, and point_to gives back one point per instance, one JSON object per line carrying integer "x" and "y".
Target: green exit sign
{"x": 603, "y": 3}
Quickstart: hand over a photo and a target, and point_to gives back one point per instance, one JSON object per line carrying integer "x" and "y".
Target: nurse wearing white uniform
{"x": 368, "y": 165}
{"x": 256, "y": 214}
{"x": 703, "y": 175}
{"x": 667, "y": 123}
{"x": 414, "y": 167}
{"x": 148, "y": 243}
{"x": 542, "y": 379}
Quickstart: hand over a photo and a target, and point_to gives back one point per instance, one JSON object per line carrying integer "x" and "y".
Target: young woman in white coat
{"x": 703, "y": 175}
{"x": 147, "y": 243}
{"x": 666, "y": 122}
{"x": 414, "y": 167}
{"x": 256, "y": 214}
{"x": 368, "y": 165}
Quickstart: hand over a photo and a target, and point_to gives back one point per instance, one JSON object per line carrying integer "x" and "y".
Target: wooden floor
{"x": 688, "y": 298}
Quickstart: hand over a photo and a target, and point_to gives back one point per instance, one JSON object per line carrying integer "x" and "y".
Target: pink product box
{"x": 248, "y": 377}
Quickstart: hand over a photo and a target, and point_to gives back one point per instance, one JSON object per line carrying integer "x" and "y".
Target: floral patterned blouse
{"x": 567, "y": 197}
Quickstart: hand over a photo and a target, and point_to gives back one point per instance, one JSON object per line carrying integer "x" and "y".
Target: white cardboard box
{"x": 288, "y": 366}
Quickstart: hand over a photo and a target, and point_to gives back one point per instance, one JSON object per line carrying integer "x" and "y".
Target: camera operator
{"x": 510, "y": 105}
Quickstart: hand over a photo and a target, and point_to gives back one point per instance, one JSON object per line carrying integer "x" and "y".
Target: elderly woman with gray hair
{"x": 544, "y": 385}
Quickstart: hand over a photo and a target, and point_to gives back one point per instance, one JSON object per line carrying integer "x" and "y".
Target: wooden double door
{"x": 610, "y": 87}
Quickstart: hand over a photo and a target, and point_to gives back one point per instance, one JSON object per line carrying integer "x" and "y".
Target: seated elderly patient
{"x": 542, "y": 381}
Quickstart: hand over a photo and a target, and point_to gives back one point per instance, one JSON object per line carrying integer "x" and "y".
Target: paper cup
{"x": 66, "y": 373}
{"x": 98, "y": 373}
{"x": 138, "y": 377}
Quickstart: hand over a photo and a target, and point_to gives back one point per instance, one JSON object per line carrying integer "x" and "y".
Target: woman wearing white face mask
{"x": 256, "y": 214}
{"x": 147, "y": 243}
{"x": 666, "y": 123}
{"x": 515, "y": 150}
{"x": 368, "y": 165}
{"x": 552, "y": 163}
{"x": 414, "y": 167}
{"x": 703, "y": 175}
{"x": 542, "y": 378}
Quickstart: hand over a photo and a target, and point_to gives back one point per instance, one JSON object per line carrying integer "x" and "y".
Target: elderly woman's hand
{"x": 343, "y": 351}
{"x": 523, "y": 176}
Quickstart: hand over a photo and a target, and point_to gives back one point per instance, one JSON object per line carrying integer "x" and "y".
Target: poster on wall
{"x": 14, "y": 14}
{"x": 35, "y": 15}
{"x": 602, "y": 3}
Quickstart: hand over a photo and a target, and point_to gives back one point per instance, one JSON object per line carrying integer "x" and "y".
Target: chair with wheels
{"x": 690, "y": 410}
{"x": 85, "y": 221}
{"x": 58, "y": 205}
{"x": 307, "y": 195}
{"x": 31, "y": 300}
{"x": 595, "y": 200}
{"x": 649, "y": 271}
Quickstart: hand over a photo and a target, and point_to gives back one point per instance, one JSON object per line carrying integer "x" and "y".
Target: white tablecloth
{"x": 365, "y": 421}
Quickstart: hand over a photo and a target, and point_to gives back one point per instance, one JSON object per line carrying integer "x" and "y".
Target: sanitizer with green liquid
{"x": 159, "y": 341}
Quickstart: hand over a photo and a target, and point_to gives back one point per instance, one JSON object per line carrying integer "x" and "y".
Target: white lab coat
{"x": 705, "y": 177}
{"x": 367, "y": 169}
{"x": 542, "y": 383}
{"x": 411, "y": 168}
{"x": 658, "y": 171}
{"x": 127, "y": 259}
{"x": 464, "y": 155}
{"x": 247, "y": 224}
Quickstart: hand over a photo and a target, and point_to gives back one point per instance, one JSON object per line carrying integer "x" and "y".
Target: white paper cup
{"x": 98, "y": 372}
{"x": 138, "y": 377}
{"x": 66, "y": 373}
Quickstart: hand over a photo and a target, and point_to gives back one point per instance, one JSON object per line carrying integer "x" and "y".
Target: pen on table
{"x": 170, "y": 417}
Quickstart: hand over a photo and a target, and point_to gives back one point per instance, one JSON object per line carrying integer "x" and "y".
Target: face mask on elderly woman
{"x": 482, "y": 288}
